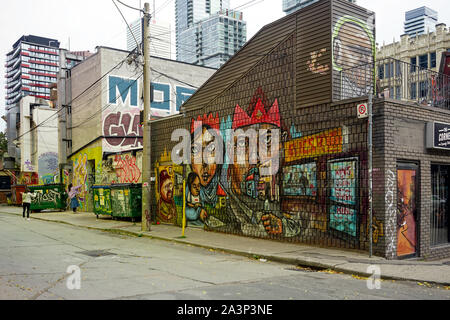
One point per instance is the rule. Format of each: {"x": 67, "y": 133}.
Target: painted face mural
{"x": 353, "y": 55}
{"x": 203, "y": 158}
{"x": 166, "y": 205}
{"x": 255, "y": 197}
{"x": 195, "y": 212}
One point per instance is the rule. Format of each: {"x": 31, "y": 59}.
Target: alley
{"x": 36, "y": 255}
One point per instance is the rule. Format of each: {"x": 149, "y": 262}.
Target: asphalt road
{"x": 35, "y": 257}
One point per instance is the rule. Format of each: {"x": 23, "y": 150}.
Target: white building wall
{"x": 46, "y": 156}
{"x": 160, "y": 38}
{"x": 38, "y": 140}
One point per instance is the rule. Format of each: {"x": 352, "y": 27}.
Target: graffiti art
{"x": 406, "y": 222}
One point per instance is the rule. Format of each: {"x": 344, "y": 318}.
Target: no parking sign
{"x": 363, "y": 111}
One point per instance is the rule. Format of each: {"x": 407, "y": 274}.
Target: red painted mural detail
{"x": 126, "y": 127}
{"x": 126, "y": 169}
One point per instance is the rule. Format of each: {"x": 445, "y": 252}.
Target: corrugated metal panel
{"x": 314, "y": 54}
{"x": 354, "y": 48}
{"x": 262, "y": 43}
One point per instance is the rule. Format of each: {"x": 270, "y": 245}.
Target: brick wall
{"x": 399, "y": 137}
{"x": 238, "y": 201}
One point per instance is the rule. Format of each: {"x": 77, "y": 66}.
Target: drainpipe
{"x": 370, "y": 174}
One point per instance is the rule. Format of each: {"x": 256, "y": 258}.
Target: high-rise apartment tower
{"x": 208, "y": 32}
{"x": 420, "y": 21}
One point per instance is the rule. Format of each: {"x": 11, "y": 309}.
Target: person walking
{"x": 26, "y": 202}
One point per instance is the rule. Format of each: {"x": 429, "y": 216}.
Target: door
{"x": 407, "y": 210}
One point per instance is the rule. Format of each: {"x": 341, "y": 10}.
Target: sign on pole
{"x": 363, "y": 111}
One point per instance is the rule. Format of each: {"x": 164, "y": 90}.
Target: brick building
{"x": 298, "y": 86}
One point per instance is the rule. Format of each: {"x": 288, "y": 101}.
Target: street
{"x": 36, "y": 256}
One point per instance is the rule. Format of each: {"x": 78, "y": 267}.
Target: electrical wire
{"x": 70, "y": 103}
{"x": 241, "y": 7}
{"x": 126, "y": 5}
{"x": 104, "y": 107}
{"x": 129, "y": 28}
{"x": 84, "y": 121}
{"x": 162, "y": 7}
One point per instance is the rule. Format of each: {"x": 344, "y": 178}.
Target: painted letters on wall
{"x": 121, "y": 120}
{"x": 343, "y": 194}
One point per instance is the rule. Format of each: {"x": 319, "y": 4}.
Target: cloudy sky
{"x": 85, "y": 24}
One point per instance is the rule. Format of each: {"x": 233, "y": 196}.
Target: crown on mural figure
{"x": 165, "y": 157}
{"x": 242, "y": 119}
{"x": 211, "y": 121}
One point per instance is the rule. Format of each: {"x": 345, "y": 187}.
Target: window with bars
{"x": 440, "y": 181}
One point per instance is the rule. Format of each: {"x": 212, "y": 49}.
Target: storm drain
{"x": 306, "y": 269}
{"x": 97, "y": 253}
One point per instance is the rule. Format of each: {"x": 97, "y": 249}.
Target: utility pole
{"x": 146, "y": 159}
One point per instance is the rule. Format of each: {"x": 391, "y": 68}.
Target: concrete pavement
{"x": 345, "y": 261}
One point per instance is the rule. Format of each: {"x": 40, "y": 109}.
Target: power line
{"x": 241, "y": 7}
{"x": 175, "y": 79}
{"x": 131, "y": 31}
{"x": 70, "y": 103}
{"x": 126, "y": 5}
{"x": 84, "y": 121}
{"x": 160, "y": 8}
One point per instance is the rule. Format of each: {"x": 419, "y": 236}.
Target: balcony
{"x": 398, "y": 80}
{"x": 407, "y": 82}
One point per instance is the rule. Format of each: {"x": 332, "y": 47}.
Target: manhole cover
{"x": 97, "y": 253}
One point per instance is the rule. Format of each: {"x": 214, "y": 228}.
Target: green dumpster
{"x": 49, "y": 196}
{"x": 102, "y": 200}
{"x": 126, "y": 201}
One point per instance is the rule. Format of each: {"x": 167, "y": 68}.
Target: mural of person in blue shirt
{"x": 195, "y": 213}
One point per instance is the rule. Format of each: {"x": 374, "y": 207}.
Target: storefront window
{"x": 440, "y": 176}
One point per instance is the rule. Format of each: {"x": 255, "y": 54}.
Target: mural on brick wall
{"x": 308, "y": 191}
{"x": 343, "y": 211}
{"x": 169, "y": 193}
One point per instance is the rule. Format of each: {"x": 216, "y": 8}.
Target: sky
{"x": 85, "y": 24}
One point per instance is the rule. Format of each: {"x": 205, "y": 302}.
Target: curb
{"x": 287, "y": 261}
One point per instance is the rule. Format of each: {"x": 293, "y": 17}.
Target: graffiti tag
{"x": 126, "y": 169}
{"x": 126, "y": 127}
{"x": 51, "y": 196}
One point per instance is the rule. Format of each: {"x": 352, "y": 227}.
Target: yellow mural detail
{"x": 169, "y": 190}
{"x": 324, "y": 143}
{"x": 82, "y": 172}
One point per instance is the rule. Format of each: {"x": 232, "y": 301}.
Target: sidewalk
{"x": 346, "y": 261}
